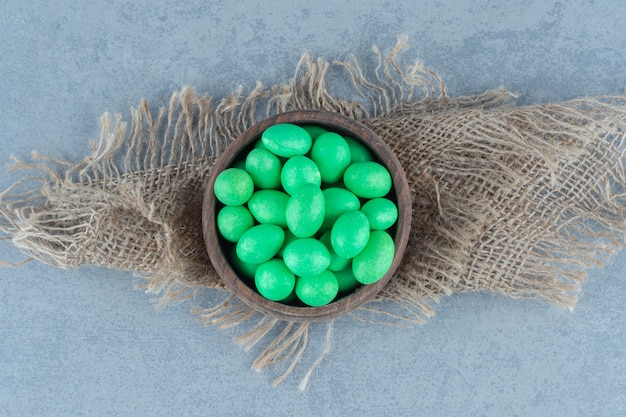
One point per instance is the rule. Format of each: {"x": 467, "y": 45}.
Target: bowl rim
{"x": 335, "y": 122}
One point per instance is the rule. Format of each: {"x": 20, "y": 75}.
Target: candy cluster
{"x": 307, "y": 215}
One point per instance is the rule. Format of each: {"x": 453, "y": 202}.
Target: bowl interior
{"x": 216, "y": 246}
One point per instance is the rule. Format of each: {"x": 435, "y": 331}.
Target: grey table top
{"x": 84, "y": 342}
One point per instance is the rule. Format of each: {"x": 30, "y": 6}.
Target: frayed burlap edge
{"x": 140, "y": 174}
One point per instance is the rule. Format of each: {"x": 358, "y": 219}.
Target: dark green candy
{"x": 336, "y": 262}
{"x": 358, "y": 151}
{"x": 336, "y": 202}
{"x": 346, "y": 280}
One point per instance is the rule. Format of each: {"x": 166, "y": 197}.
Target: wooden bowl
{"x": 343, "y": 304}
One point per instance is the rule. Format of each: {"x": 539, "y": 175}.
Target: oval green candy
{"x": 336, "y": 202}
{"x": 346, "y": 280}
{"x": 260, "y": 243}
{"x": 269, "y": 206}
{"x": 274, "y": 280}
{"x": 317, "y": 290}
{"x": 314, "y": 130}
{"x": 367, "y": 179}
{"x": 305, "y": 211}
{"x": 375, "y": 260}
{"x": 358, "y": 151}
{"x": 299, "y": 171}
{"x": 233, "y": 221}
{"x": 331, "y": 154}
{"x": 286, "y": 140}
{"x": 350, "y": 234}
{"x": 337, "y": 262}
{"x": 306, "y": 257}
{"x": 381, "y": 213}
{"x": 264, "y": 167}
{"x": 233, "y": 187}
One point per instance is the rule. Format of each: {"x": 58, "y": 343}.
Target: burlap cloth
{"x": 510, "y": 200}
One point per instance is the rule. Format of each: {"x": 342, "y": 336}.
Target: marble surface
{"x": 84, "y": 342}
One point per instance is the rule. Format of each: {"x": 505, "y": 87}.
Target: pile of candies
{"x": 307, "y": 216}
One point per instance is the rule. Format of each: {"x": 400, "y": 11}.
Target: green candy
{"x": 367, "y": 179}
{"x": 337, "y": 262}
{"x": 375, "y": 260}
{"x": 233, "y": 221}
{"x": 243, "y": 269}
{"x": 358, "y": 151}
{"x": 331, "y": 154}
{"x": 299, "y": 171}
{"x": 286, "y": 140}
{"x": 260, "y": 243}
{"x": 233, "y": 187}
{"x": 381, "y": 213}
{"x": 289, "y": 237}
{"x": 338, "y": 201}
{"x": 346, "y": 280}
{"x": 318, "y": 290}
{"x": 264, "y": 167}
{"x": 350, "y": 234}
{"x": 274, "y": 280}
{"x": 306, "y": 257}
{"x": 305, "y": 211}
{"x": 314, "y": 130}
{"x": 269, "y": 206}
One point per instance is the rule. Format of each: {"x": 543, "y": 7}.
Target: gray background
{"x": 84, "y": 342}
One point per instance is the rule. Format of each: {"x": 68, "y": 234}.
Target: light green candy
{"x": 346, "y": 280}
{"x": 331, "y": 154}
{"x": 375, "y": 260}
{"x": 337, "y": 262}
{"x": 305, "y": 211}
{"x": 358, "y": 151}
{"x": 350, "y": 234}
{"x": 260, "y": 243}
{"x": 338, "y": 201}
{"x": 274, "y": 280}
{"x": 381, "y": 213}
{"x": 233, "y": 221}
{"x": 299, "y": 171}
{"x": 317, "y": 291}
{"x": 264, "y": 167}
{"x": 269, "y": 206}
{"x": 233, "y": 187}
{"x": 286, "y": 140}
{"x": 306, "y": 257}
{"x": 367, "y": 179}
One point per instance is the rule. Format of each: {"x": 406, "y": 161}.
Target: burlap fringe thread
{"x": 512, "y": 200}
